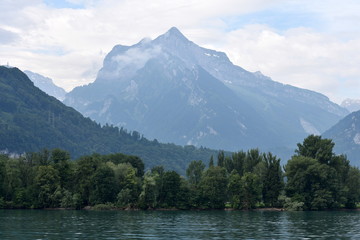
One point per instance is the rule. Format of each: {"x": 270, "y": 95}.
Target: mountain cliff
{"x": 171, "y": 89}
{"x": 46, "y": 84}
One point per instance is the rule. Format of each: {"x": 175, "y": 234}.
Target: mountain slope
{"x": 346, "y": 136}
{"x": 171, "y": 89}
{"x": 46, "y": 85}
{"x": 31, "y": 120}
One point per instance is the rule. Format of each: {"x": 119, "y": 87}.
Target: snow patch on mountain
{"x": 308, "y": 127}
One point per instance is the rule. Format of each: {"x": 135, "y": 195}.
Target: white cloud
{"x": 69, "y": 45}
{"x": 300, "y": 57}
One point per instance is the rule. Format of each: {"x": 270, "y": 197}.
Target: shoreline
{"x": 92, "y": 208}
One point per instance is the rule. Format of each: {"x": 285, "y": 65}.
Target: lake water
{"x": 68, "y": 224}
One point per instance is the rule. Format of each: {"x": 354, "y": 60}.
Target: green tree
{"x": 272, "y": 181}
{"x": 84, "y": 170}
{"x": 352, "y": 184}
{"x": 234, "y": 189}
{"x": 170, "y": 189}
{"x": 238, "y": 159}
{"x": 317, "y": 148}
{"x": 253, "y": 158}
{"x": 250, "y": 193}
{"x": 211, "y": 162}
{"x": 213, "y": 188}
{"x": 221, "y": 159}
{"x": 150, "y": 192}
{"x": 312, "y": 183}
{"x": 194, "y": 172}
{"x": 61, "y": 162}
{"x": 47, "y": 180}
{"x": 103, "y": 182}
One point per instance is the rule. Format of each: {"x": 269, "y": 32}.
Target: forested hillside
{"x": 31, "y": 120}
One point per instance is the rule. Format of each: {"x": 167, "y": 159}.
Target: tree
{"x": 194, "y": 172}
{"x": 170, "y": 189}
{"x": 272, "y": 181}
{"x": 61, "y": 162}
{"x": 221, "y": 159}
{"x": 103, "y": 182}
{"x": 317, "y": 148}
{"x": 234, "y": 189}
{"x": 238, "y": 160}
{"x": 213, "y": 188}
{"x": 211, "y": 162}
{"x": 253, "y": 158}
{"x": 85, "y": 168}
{"x": 250, "y": 192}
{"x": 312, "y": 183}
{"x": 352, "y": 184}
{"x": 47, "y": 180}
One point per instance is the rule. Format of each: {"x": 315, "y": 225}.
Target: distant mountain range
{"x": 352, "y": 105}
{"x": 31, "y": 120}
{"x": 46, "y": 84}
{"x": 346, "y": 136}
{"x": 173, "y": 90}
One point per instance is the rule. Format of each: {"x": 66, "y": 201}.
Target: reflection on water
{"x": 58, "y": 224}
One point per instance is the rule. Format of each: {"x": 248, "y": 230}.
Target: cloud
{"x": 300, "y": 57}
{"x": 127, "y": 63}
{"x": 7, "y": 37}
{"x": 69, "y": 44}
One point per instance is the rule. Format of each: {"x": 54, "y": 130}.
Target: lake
{"x": 72, "y": 224}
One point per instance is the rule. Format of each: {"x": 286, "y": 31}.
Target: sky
{"x": 312, "y": 44}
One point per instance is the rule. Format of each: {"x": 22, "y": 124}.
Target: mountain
{"x": 346, "y": 136}
{"x": 31, "y": 120}
{"x": 46, "y": 84}
{"x": 173, "y": 90}
{"x": 352, "y": 105}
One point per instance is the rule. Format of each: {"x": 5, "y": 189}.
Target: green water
{"x": 60, "y": 224}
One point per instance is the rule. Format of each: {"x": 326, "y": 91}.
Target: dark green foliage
{"x": 250, "y": 191}
{"x": 102, "y": 185}
{"x": 213, "y": 187}
{"x": 272, "y": 180}
{"x": 48, "y": 179}
{"x": 170, "y": 190}
{"x": 194, "y": 172}
{"x": 320, "y": 179}
{"x": 317, "y": 148}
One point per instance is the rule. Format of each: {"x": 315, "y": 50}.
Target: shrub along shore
{"x": 313, "y": 179}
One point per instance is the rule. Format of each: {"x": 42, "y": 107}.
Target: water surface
{"x": 68, "y": 224}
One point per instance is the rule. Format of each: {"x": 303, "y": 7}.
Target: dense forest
{"x": 313, "y": 179}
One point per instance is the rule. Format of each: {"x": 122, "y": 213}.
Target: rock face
{"x": 352, "y": 105}
{"x": 46, "y": 84}
{"x": 173, "y": 90}
{"x": 346, "y": 136}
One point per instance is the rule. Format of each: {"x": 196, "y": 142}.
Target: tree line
{"x": 313, "y": 179}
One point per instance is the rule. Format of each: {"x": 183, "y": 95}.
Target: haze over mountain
{"x": 31, "y": 120}
{"x": 173, "y": 90}
{"x": 346, "y": 136}
{"x": 46, "y": 84}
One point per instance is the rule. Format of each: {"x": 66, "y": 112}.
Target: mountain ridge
{"x": 268, "y": 114}
{"x": 46, "y": 84}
